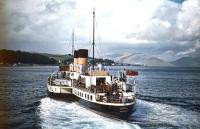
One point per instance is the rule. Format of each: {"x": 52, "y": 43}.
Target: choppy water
{"x": 166, "y": 98}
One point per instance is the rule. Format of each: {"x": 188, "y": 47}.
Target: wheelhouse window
{"x": 100, "y": 81}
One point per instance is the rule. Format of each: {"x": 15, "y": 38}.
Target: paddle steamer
{"x": 94, "y": 86}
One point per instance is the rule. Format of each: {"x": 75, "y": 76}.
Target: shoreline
{"x": 57, "y": 65}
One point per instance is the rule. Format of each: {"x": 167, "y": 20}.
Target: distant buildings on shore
{"x": 125, "y": 64}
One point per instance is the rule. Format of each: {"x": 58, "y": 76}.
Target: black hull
{"x": 121, "y": 112}
{"x": 62, "y": 96}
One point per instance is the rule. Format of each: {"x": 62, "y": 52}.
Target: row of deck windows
{"x": 80, "y": 94}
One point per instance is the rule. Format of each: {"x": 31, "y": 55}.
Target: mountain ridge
{"x": 139, "y": 59}
{"x": 187, "y": 62}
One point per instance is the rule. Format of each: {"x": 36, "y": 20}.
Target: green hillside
{"x": 21, "y": 57}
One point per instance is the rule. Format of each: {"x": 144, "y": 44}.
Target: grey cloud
{"x": 174, "y": 22}
{"x": 37, "y": 31}
{"x": 168, "y": 12}
{"x": 178, "y": 1}
{"x": 18, "y": 21}
{"x": 193, "y": 49}
{"x": 36, "y": 27}
{"x": 3, "y": 32}
{"x": 167, "y": 51}
{"x": 52, "y": 6}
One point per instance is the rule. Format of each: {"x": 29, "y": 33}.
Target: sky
{"x": 168, "y": 29}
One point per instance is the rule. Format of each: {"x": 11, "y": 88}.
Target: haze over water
{"x": 166, "y": 98}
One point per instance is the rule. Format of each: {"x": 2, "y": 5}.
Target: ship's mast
{"x": 93, "y": 43}
{"x": 73, "y": 46}
{"x": 73, "y": 42}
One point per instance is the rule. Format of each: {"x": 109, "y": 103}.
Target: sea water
{"x": 167, "y": 97}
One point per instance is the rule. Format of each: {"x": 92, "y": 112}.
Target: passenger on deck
{"x": 124, "y": 75}
{"x": 64, "y": 74}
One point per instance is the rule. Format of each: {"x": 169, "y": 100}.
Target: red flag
{"x": 131, "y": 73}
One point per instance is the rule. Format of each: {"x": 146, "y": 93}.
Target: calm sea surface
{"x": 166, "y": 98}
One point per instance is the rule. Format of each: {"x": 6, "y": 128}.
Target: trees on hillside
{"x": 10, "y": 57}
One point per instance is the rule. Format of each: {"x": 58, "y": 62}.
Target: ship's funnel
{"x": 75, "y": 67}
{"x": 75, "y": 57}
{"x": 83, "y": 60}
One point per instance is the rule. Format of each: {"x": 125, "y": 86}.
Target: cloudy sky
{"x": 168, "y": 29}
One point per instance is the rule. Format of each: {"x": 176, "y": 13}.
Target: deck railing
{"x": 108, "y": 97}
{"x": 115, "y": 99}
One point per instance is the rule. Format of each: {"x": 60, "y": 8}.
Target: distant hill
{"x": 57, "y": 56}
{"x": 68, "y": 59}
{"x": 21, "y": 57}
{"x": 187, "y": 62}
{"x": 139, "y": 59}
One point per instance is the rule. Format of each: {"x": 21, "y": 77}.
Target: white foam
{"x": 152, "y": 112}
{"x": 60, "y": 114}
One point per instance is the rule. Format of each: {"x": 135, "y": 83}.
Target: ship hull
{"x": 60, "y": 92}
{"x": 59, "y": 89}
{"x": 122, "y": 112}
{"x": 60, "y": 95}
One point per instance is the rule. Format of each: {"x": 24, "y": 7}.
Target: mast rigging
{"x": 93, "y": 43}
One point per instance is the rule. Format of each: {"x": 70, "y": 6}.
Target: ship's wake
{"x": 70, "y": 115}
{"x": 163, "y": 115}
{"x": 62, "y": 114}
